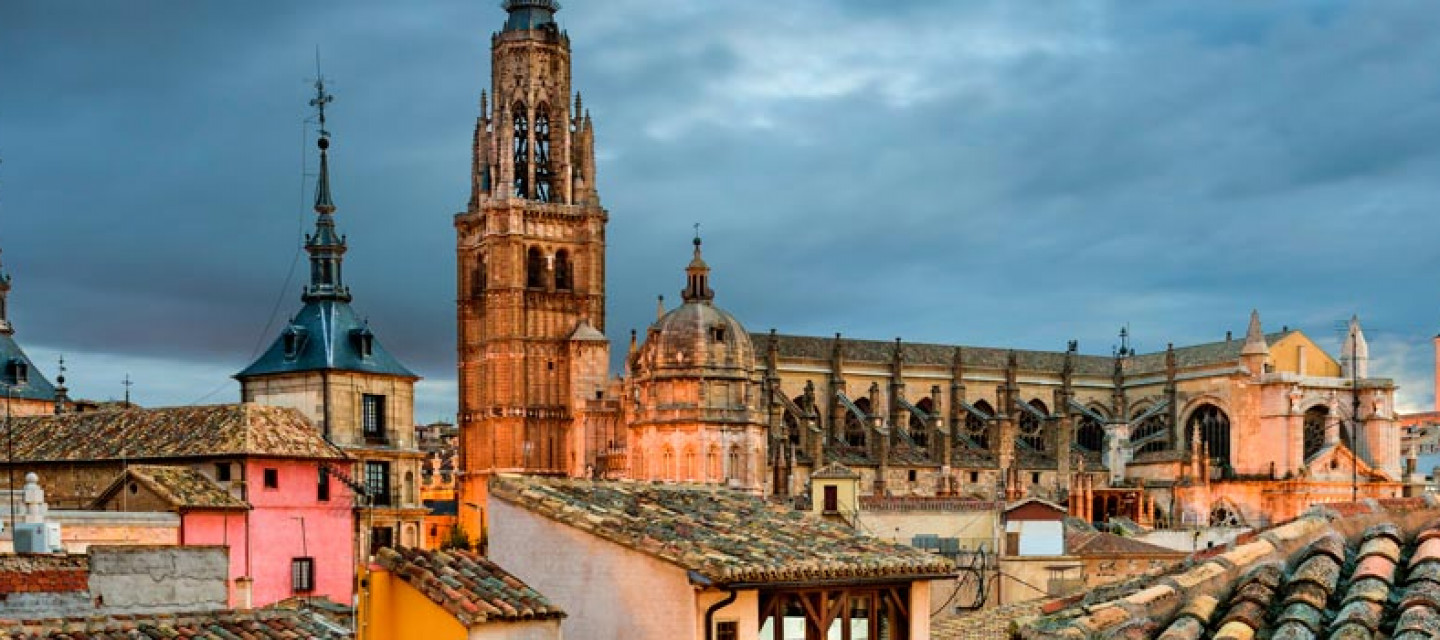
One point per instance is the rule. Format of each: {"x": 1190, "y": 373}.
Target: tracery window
{"x": 1314, "y": 436}
{"x": 920, "y": 428}
{"x": 1032, "y": 429}
{"x": 522, "y": 152}
{"x": 855, "y": 425}
{"x": 1154, "y": 431}
{"x": 978, "y": 428}
{"x": 544, "y": 177}
{"x": 1214, "y": 428}
{"x": 1090, "y": 434}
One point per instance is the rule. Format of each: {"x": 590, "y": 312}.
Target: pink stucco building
{"x": 255, "y": 479}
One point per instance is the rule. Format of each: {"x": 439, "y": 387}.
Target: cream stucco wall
{"x": 608, "y": 591}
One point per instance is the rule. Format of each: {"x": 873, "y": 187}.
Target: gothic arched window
{"x": 543, "y": 174}
{"x": 1314, "y": 437}
{"x": 563, "y": 279}
{"x": 1214, "y": 428}
{"x": 1090, "y": 433}
{"x": 920, "y": 428}
{"x": 1153, "y": 431}
{"x": 522, "y": 152}
{"x": 535, "y": 269}
{"x": 855, "y": 425}
{"x": 1032, "y": 428}
{"x": 977, "y": 427}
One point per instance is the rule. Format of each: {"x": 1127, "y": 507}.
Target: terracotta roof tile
{"x": 182, "y": 487}
{"x": 724, "y": 536}
{"x": 171, "y": 432}
{"x": 468, "y": 585}
{"x": 262, "y": 624}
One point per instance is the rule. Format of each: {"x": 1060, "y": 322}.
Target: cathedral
{"x": 1246, "y": 430}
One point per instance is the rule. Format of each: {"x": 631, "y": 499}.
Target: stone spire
{"x": 326, "y": 246}
{"x": 697, "y": 277}
{"x": 5, "y": 327}
{"x": 1355, "y": 352}
{"x": 1255, "y": 338}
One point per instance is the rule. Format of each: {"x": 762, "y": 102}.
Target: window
{"x": 717, "y": 334}
{"x": 222, "y": 472}
{"x": 294, "y": 339}
{"x": 302, "y": 575}
{"x": 974, "y": 477}
{"x": 272, "y": 478}
{"x": 373, "y": 416}
{"x": 543, "y": 176}
{"x": 832, "y": 498}
{"x": 364, "y": 341}
{"x": 19, "y": 373}
{"x": 912, "y": 475}
{"x": 534, "y": 269}
{"x": 563, "y": 279}
{"x": 377, "y": 482}
{"x": 1034, "y": 478}
{"x": 727, "y": 630}
{"x": 322, "y": 489}
{"x": 380, "y": 538}
{"x": 522, "y": 151}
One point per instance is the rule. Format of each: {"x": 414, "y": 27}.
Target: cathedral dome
{"x": 698, "y": 335}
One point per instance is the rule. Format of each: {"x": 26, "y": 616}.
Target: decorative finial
{"x": 697, "y": 234}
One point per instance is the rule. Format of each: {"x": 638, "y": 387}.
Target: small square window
{"x": 727, "y": 630}
{"x": 717, "y": 334}
{"x": 974, "y": 477}
{"x": 222, "y": 472}
{"x": 302, "y": 575}
{"x": 912, "y": 475}
{"x": 272, "y": 478}
{"x": 1034, "y": 478}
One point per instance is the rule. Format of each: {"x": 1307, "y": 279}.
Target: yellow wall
{"x": 1285, "y": 357}
{"x": 848, "y": 494}
{"x": 397, "y": 611}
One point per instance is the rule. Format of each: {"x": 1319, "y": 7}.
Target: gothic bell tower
{"x": 530, "y": 252}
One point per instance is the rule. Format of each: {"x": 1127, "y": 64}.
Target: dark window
{"x": 322, "y": 490}
{"x": 717, "y": 334}
{"x": 534, "y": 269}
{"x": 377, "y": 482}
{"x": 222, "y": 472}
{"x": 1091, "y": 434}
{"x": 727, "y": 630}
{"x": 477, "y": 286}
{"x": 272, "y": 478}
{"x": 373, "y": 416}
{"x": 522, "y": 152}
{"x": 294, "y": 339}
{"x": 912, "y": 475}
{"x": 302, "y": 575}
{"x": 563, "y": 274}
{"x": 364, "y": 342}
{"x": 19, "y": 373}
{"x": 1314, "y": 435}
{"x": 1034, "y": 478}
{"x": 381, "y": 537}
{"x": 543, "y": 174}
{"x": 832, "y": 498}
{"x": 974, "y": 477}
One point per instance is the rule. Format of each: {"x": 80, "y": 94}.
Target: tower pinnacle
{"x": 326, "y": 247}
{"x": 697, "y": 287}
{"x": 530, "y": 14}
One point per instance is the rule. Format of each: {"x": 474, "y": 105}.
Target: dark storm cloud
{"x": 988, "y": 173}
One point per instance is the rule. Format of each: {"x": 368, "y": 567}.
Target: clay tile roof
{"x": 835, "y": 471}
{"x": 1100, "y": 543}
{"x": 171, "y": 432}
{"x": 260, "y": 624}
{"x": 182, "y": 487}
{"x": 469, "y": 586}
{"x": 1323, "y": 575}
{"x": 723, "y": 536}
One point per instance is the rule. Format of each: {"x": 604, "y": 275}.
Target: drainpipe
{"x": 710, "y": 613}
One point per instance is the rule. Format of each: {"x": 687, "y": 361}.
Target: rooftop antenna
{"x": 321, "y": 98}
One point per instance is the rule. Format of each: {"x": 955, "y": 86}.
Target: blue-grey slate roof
{"x": 330, "y": 331}
{"x": 36, "y": 386}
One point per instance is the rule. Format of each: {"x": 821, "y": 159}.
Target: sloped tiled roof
{"x": 1350, "y": 571}
{"x": 263, "y": 624}
{"x": 36, "y": 386}
{"x": 1100, "y": 543}
{"x": 184, "y": 488}
{"x": 915, "y": 353}
{"x": 724, "y": 536}
{"x": 467, "y": 585}
{"x": 172, "y": 432}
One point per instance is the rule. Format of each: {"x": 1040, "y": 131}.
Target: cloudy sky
{"x": 999, "y": 173}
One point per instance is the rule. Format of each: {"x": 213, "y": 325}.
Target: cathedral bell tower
{"x": 531, "y": 258}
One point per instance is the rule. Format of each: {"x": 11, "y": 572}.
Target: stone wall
{"x": 114, "y": 580}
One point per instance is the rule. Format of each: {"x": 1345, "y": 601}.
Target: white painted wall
{"x": 1038, "y": 537}
{"x": 522, "y": 630}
